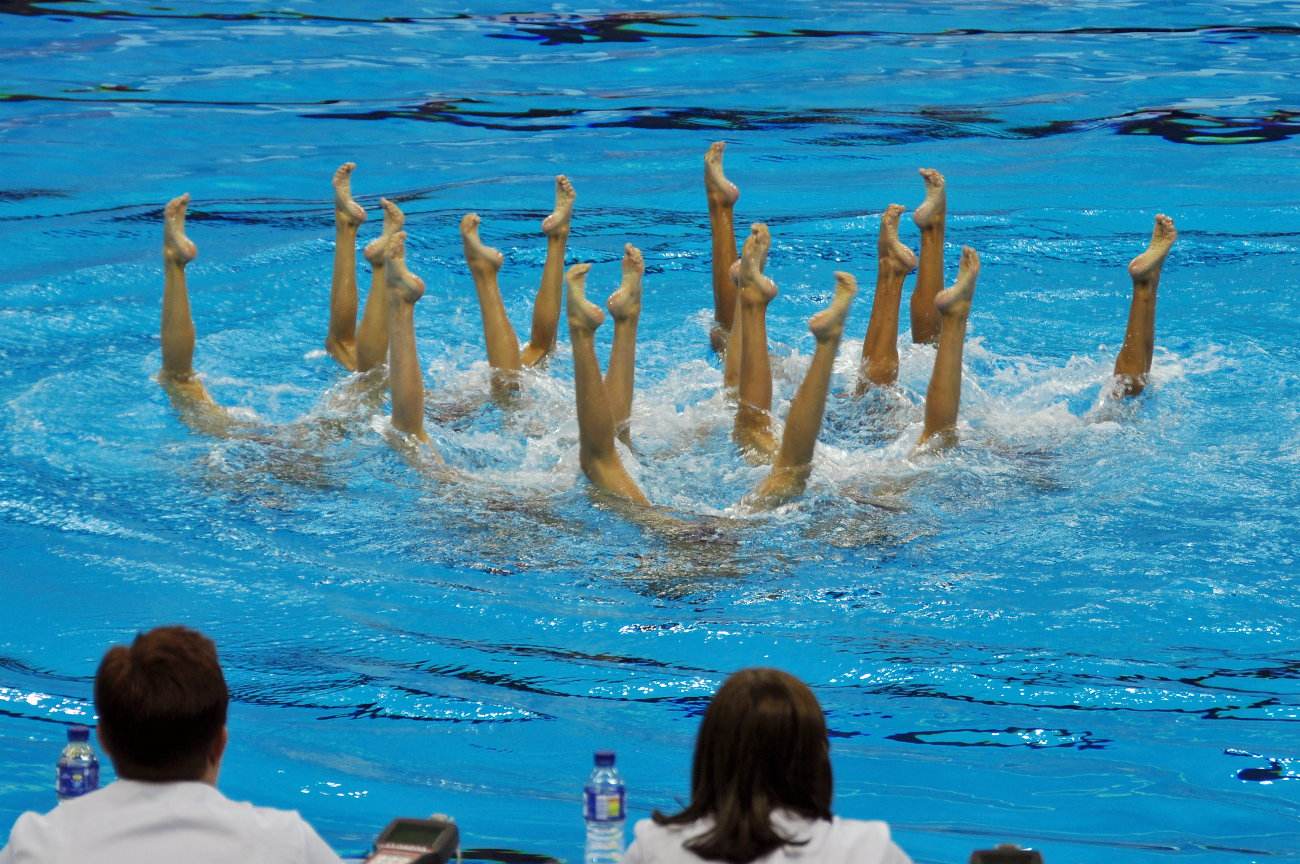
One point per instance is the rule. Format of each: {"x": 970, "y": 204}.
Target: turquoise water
{"x": 1078, "y": 630}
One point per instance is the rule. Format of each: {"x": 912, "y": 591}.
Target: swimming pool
{"x": 1078, "y": 630}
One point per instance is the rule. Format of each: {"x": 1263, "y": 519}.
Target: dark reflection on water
{"x": 874, "y": 126}
{"x": 13, "y": 664}
{"x": 507, "y": 856}
{"x": 1011, "y": 736}
{"x": 1277, "y": 769}
{"x": 140, "y": 100}
{"x": 1240, "y": 711}
{"x": 306, "y": 679}
{"x": 552, "y": 28}
{"x": 556, "y": 29}
{"x": 1182, "y": 127}
{"x": 77, "y": 9}
{"x": 925, "y": 123}
{"x": 29, "y": 194}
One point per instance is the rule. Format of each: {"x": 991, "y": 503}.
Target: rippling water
{"x": 1078, "y": 630}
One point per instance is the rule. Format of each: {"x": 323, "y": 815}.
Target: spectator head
{"x": 162, "y": 706}
{"x": 762, "y": 746}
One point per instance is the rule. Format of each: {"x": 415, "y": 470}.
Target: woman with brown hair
{"x": 761, "y": 786}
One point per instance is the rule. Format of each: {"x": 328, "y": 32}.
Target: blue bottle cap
{"x": 78, "y": 733}
{"x": 604, "y": 758}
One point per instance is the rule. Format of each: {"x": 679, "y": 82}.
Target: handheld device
{"x": 417, "y": 841}
{"x": 1006, "y": 853}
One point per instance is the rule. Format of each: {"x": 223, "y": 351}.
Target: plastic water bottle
{"x": 78, "y": 769}
{"x": 605, "y": 797}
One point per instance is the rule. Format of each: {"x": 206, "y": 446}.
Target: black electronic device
{"x": 435, "y": 840}
{"x": 1006, "y": 854}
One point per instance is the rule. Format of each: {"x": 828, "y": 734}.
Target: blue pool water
{"x": 1078, "y": 630}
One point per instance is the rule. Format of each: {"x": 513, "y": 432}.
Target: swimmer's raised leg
{"x": 372, "y": 335}
{"x": 177, "y": 323}
{"x": 502, "y": 343}
{"x": 597, "y": 453}
{"x": 753, "y": 426}
{"x": 187, "y": 393}
{"x": 1134, "y": 360}
{"x": 546, "y": 308}
{"x": 404, "y": 290}
{"x": 625, "y": 307}
{"x": 930, "y": 218}
{"x": 341, "y": 342}
{"x": 943, "y": 396}
{"x": 793, "y": 461}
{"x": 893, "y": 262}
{"x": 722, "y": 195}
{"x": 735, "y": 338}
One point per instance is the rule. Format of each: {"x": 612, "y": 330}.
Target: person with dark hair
{"x": 761, "y": 786}
{"x": 162, "y": 721}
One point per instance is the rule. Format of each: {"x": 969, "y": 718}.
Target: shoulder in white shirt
{"x": 839, "y": 841}
{"x": 129, "y": 822}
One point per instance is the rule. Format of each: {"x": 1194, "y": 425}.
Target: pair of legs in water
{"x": 356, "y": 348}
{"x": 600, "y": 401}
{"x": 505, "y": 355}
{"x": 360, "y": 348}
{"x": 387, "y": 326}
{"x": 393, "y": 292}
{"x": 879, "y": 366}
{"x": 367, "y": 345}
{"x": 936, "y": 315}
{"x": 791, "y": 460}
{"x": 880, "y": 348}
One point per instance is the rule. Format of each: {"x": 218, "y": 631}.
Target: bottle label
{"x": 604, "y": 806}
{"x": 75, "y": 780}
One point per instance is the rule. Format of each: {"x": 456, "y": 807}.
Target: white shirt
{"x": 129, "y": 822}
{"x": 840, "y": 841}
